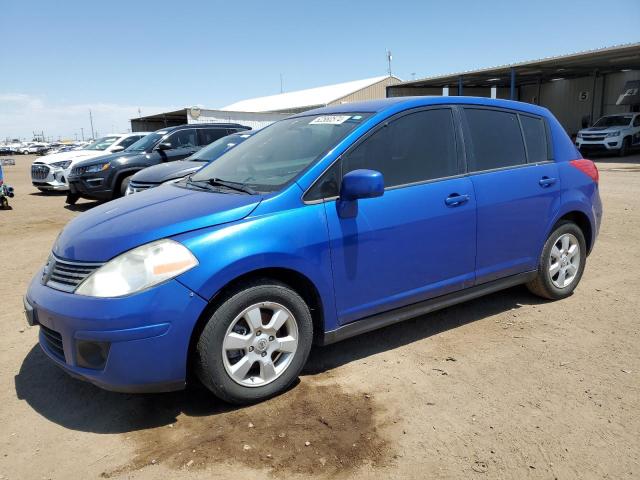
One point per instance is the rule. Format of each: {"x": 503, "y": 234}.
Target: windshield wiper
{"x": 238, "y": 186}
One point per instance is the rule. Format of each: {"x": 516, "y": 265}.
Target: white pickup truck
{"x": 617, "y": 133}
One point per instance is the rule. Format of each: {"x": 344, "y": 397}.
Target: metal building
{"x": 255, "y": 120}
{"x": 578, "y": 88}
{"x": 302, "y": 100}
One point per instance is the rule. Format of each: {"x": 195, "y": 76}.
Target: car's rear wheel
{"x": 561, "y": 263}
{"x": 255, "y": 343}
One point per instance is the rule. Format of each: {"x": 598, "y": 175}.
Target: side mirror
{"x": 116, "y": 149}
{"x": 164, "y": 146}
{"x": 358, "y": 184}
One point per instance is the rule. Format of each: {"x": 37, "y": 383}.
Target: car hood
{"x": 601, "y": 129}
{"x": 167, "y": 171}
{"x": 115, "y": 227}
{"x": 118, "y": 157}
{"x": 74, "y": 155}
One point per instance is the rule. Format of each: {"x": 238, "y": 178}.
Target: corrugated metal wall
{"x": 372, "y": 92}
{"x": 250, "y": 119}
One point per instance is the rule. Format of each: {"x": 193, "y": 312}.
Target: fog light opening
{"x": 92, "y": 355}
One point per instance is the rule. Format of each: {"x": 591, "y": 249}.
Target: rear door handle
{"x": 547, "y": 182}
{"x": 455, "y": 200}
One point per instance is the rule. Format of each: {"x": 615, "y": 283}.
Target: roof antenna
{"x": 389, "y": 58}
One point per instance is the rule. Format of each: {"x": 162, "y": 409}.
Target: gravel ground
{"x": 507, "y": 386}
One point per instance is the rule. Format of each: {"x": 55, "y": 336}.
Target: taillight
{"x": 587, "y": 167}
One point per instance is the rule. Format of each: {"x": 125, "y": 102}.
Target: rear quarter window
{"x": 496, "y": 139}
{"x": 535, "y": 137}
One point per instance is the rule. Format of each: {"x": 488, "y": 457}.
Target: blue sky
{"x": 61, "y": 58}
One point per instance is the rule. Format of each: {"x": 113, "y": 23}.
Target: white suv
{"x": 51, "y": 171}
{"x": 611, "y": 133}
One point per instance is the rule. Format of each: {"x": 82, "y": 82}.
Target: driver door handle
{"x": 455, "y": 200}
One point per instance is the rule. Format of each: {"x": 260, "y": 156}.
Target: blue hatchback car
{"x": 325, "y": 225}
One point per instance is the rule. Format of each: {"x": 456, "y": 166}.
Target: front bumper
{"x": 55, "y": 179}
{"x": 145, "y": 335}
{"x": 94, "y": 186}
{"x": 605, "y": 145}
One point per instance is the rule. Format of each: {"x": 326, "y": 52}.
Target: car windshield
{"x": 147, "y": 142}
{"x": 101, "y": 144}
{"x": 272, "y": 157}
{"x": 217, "y": 148}
{"x": 614, "y": 121}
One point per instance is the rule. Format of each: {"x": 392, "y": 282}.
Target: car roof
{"x": 404, "y": 103}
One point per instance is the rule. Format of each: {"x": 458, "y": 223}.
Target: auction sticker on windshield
{"x": 330, "y": 120}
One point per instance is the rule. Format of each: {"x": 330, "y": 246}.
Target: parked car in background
{"x": 108, "y": 177}
{"x": 319, "y": 227}
{"x": 51, "y": 172}
{"x": 173, "y": 171}
{"x": 33, "y": 148}
{"x": 617, "y": 133}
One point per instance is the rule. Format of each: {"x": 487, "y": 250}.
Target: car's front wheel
{"x": 624, "y": 149}
{"x": 255, "y": 343}
{"x": 561, "y": 263}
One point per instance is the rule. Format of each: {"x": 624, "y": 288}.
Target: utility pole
{"x": 82, "y": 133}
{"x": 281, "y": 84}
{"x": 389, "y": 58}
{"x": 91, "y": 121}
{"x": 139, "y": 113}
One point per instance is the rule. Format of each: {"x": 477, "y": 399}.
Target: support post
{"x": 512, "y": 95}
{"x": 593, "y": 96}
{"x": 460, "y": 85}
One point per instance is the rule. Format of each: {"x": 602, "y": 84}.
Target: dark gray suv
{"x": 107, "y": 177}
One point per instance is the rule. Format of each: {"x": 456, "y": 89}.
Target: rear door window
{"x": 535, "y": 138}
{"x": 183, "y": 138}
{"x": 414, "y": 148}
{"x": 127, "y": 142}
{"x": 210, "y": 135}
{"x": 496, "y": 140}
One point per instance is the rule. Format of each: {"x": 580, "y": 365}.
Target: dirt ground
{"x": 507, "y": 386}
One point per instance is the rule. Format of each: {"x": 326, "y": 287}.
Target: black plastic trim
{"x": 384, "y": 319}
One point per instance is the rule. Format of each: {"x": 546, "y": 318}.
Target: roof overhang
{"x": 604, "y": 60}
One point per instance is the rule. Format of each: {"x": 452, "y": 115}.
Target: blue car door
{"x": 417, "y": 240}
{"x": 517, "y": 188}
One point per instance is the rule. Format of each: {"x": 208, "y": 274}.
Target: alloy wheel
{"x": 260, "y": 344}
{"x": 564, "y": 260}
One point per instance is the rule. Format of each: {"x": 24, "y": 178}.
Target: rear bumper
{"x": 145, "y": 336}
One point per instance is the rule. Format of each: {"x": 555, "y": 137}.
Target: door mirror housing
{"x": 358, "y": 184}
{"x": 116, "y": 149}
{"x": 164, "y": 146}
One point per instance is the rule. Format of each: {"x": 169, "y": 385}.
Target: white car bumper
{"x": 602, "y": 144}
{"x": 47, "y": 177}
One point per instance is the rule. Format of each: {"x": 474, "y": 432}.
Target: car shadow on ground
{"x": 631, "y": 159}
{"x": 81, "y": 406}
{"x": 51, "y": 193}
{"x": 82, "y": 207}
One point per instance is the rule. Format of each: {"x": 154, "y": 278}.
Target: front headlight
{"x": 138, "y": 269}
{"x": 614, "y": 134}
{"x": 97, "y": 168}
{"x": 64, "y": 164}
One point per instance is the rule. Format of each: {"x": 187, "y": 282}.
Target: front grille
{"x": 39, "y": 171}
{"x": 593, "y": 138}
{"x": 66, "y": 275}
{"x": 53, "y": 341}
{"x": 140, "y": 186}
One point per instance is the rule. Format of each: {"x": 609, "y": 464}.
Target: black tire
{"x": 209, "y": 364}
{"x": 72, "y": 198}
{"x": 624, "y": 149}
{"x": 543, "y": 285}
{"x": 4, "y": 203}
{"x": 123, "y": 186}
